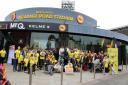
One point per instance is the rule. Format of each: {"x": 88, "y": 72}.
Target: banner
{"x": 11, "y": 54}
{"x": 102, "y": 41}
{"x": 69, "y": 68}
{"x": 113, "y": 56}
{"x": 37, "y": 26}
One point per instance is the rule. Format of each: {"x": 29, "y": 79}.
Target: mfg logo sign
{"x": 17, "y": 25}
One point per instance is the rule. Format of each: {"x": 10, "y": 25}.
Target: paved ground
{"x": 41, "y": 78}
{"x": 121, "y": 79}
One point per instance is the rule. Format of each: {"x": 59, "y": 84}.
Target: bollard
{"x": 30, "y": 76}
{"x": 81, "y": 73}
{"x": 126, "y": 62}
{"x": 94, "y": 71}
{"x": 122, "y": 65}
{"x": 61, "y": 74}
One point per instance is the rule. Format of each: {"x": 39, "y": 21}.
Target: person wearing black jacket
{"x": 66, "y": 56}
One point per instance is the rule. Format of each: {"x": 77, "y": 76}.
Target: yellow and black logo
{"x": 80, "y": 19}
{"x": 13, "y": 16}
{"x": 62, "y": 28}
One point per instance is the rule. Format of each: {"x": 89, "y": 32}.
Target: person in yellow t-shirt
{"x": 76, "y": 54}
{"x": 32, "y": 60}
{"x": 17, "y": 54}
{"x": 32, "y": 63}
{"x": 36, "y": 55}
{"x": 2, "y": 56}
{"x": 112, "y": 63}
{"x": 71, "y": 54}
{"x": 41, "y": 59}
{"x": 52, "y": 59}
{"x": 26, "y": 60}
{"x": 20, "y": 60}
{"x": 29, "y": 53}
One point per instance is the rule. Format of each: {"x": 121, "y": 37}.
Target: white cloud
{"x": 108, "y": 13}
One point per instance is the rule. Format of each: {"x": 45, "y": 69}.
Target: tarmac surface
{"x": 42, "y": 78}
{"x": 121, "y": 79}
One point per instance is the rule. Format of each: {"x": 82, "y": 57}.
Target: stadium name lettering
{"x": 17, "y": 25}
{"x": 45, "y": 16}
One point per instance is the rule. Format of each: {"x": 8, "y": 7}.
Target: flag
{"x": 102, "y": 42}
{"x": 112, "y": 43}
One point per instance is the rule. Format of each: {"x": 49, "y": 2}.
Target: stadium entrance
{"x": 41, "y": 35}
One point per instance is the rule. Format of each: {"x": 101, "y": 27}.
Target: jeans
{"x": 50, "y": 69}
{"x": 15, "y": 61}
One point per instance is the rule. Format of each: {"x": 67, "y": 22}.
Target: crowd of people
{"x": 50, "y": 60}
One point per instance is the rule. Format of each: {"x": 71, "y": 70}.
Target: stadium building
{"x": 53, "y": 27}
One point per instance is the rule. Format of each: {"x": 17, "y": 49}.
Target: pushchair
{"x": 98, "y": 66}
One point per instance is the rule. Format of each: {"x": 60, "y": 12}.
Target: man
{"x": 61, "y": 54}
{"x": 17, "y": 52}
{"x": 26, "y": 61}
{"x": 41, "y": 59}
{"x": 49, "y": 66}
{"x": 15, "y": 60}
{"x": 20, "y": 60}
{"x": 2, "y": 56}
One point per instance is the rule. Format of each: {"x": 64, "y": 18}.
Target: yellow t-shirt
{"x": 42, "y": 55}
{"x": 106, "y": 63}
{"x": 37, "y": 54}
{"x": 71, "y": 55}
{"x": 76, "y": 54}
{"x": 36, "y": 58}
{"x": 32, "y": 61}
{"x": 29, "y": 54}
{"x": 26, "y": 62}
{"x": 20, "y": 58}
{"x": 3, "y": 53}
{"x": 17, "y": 52}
